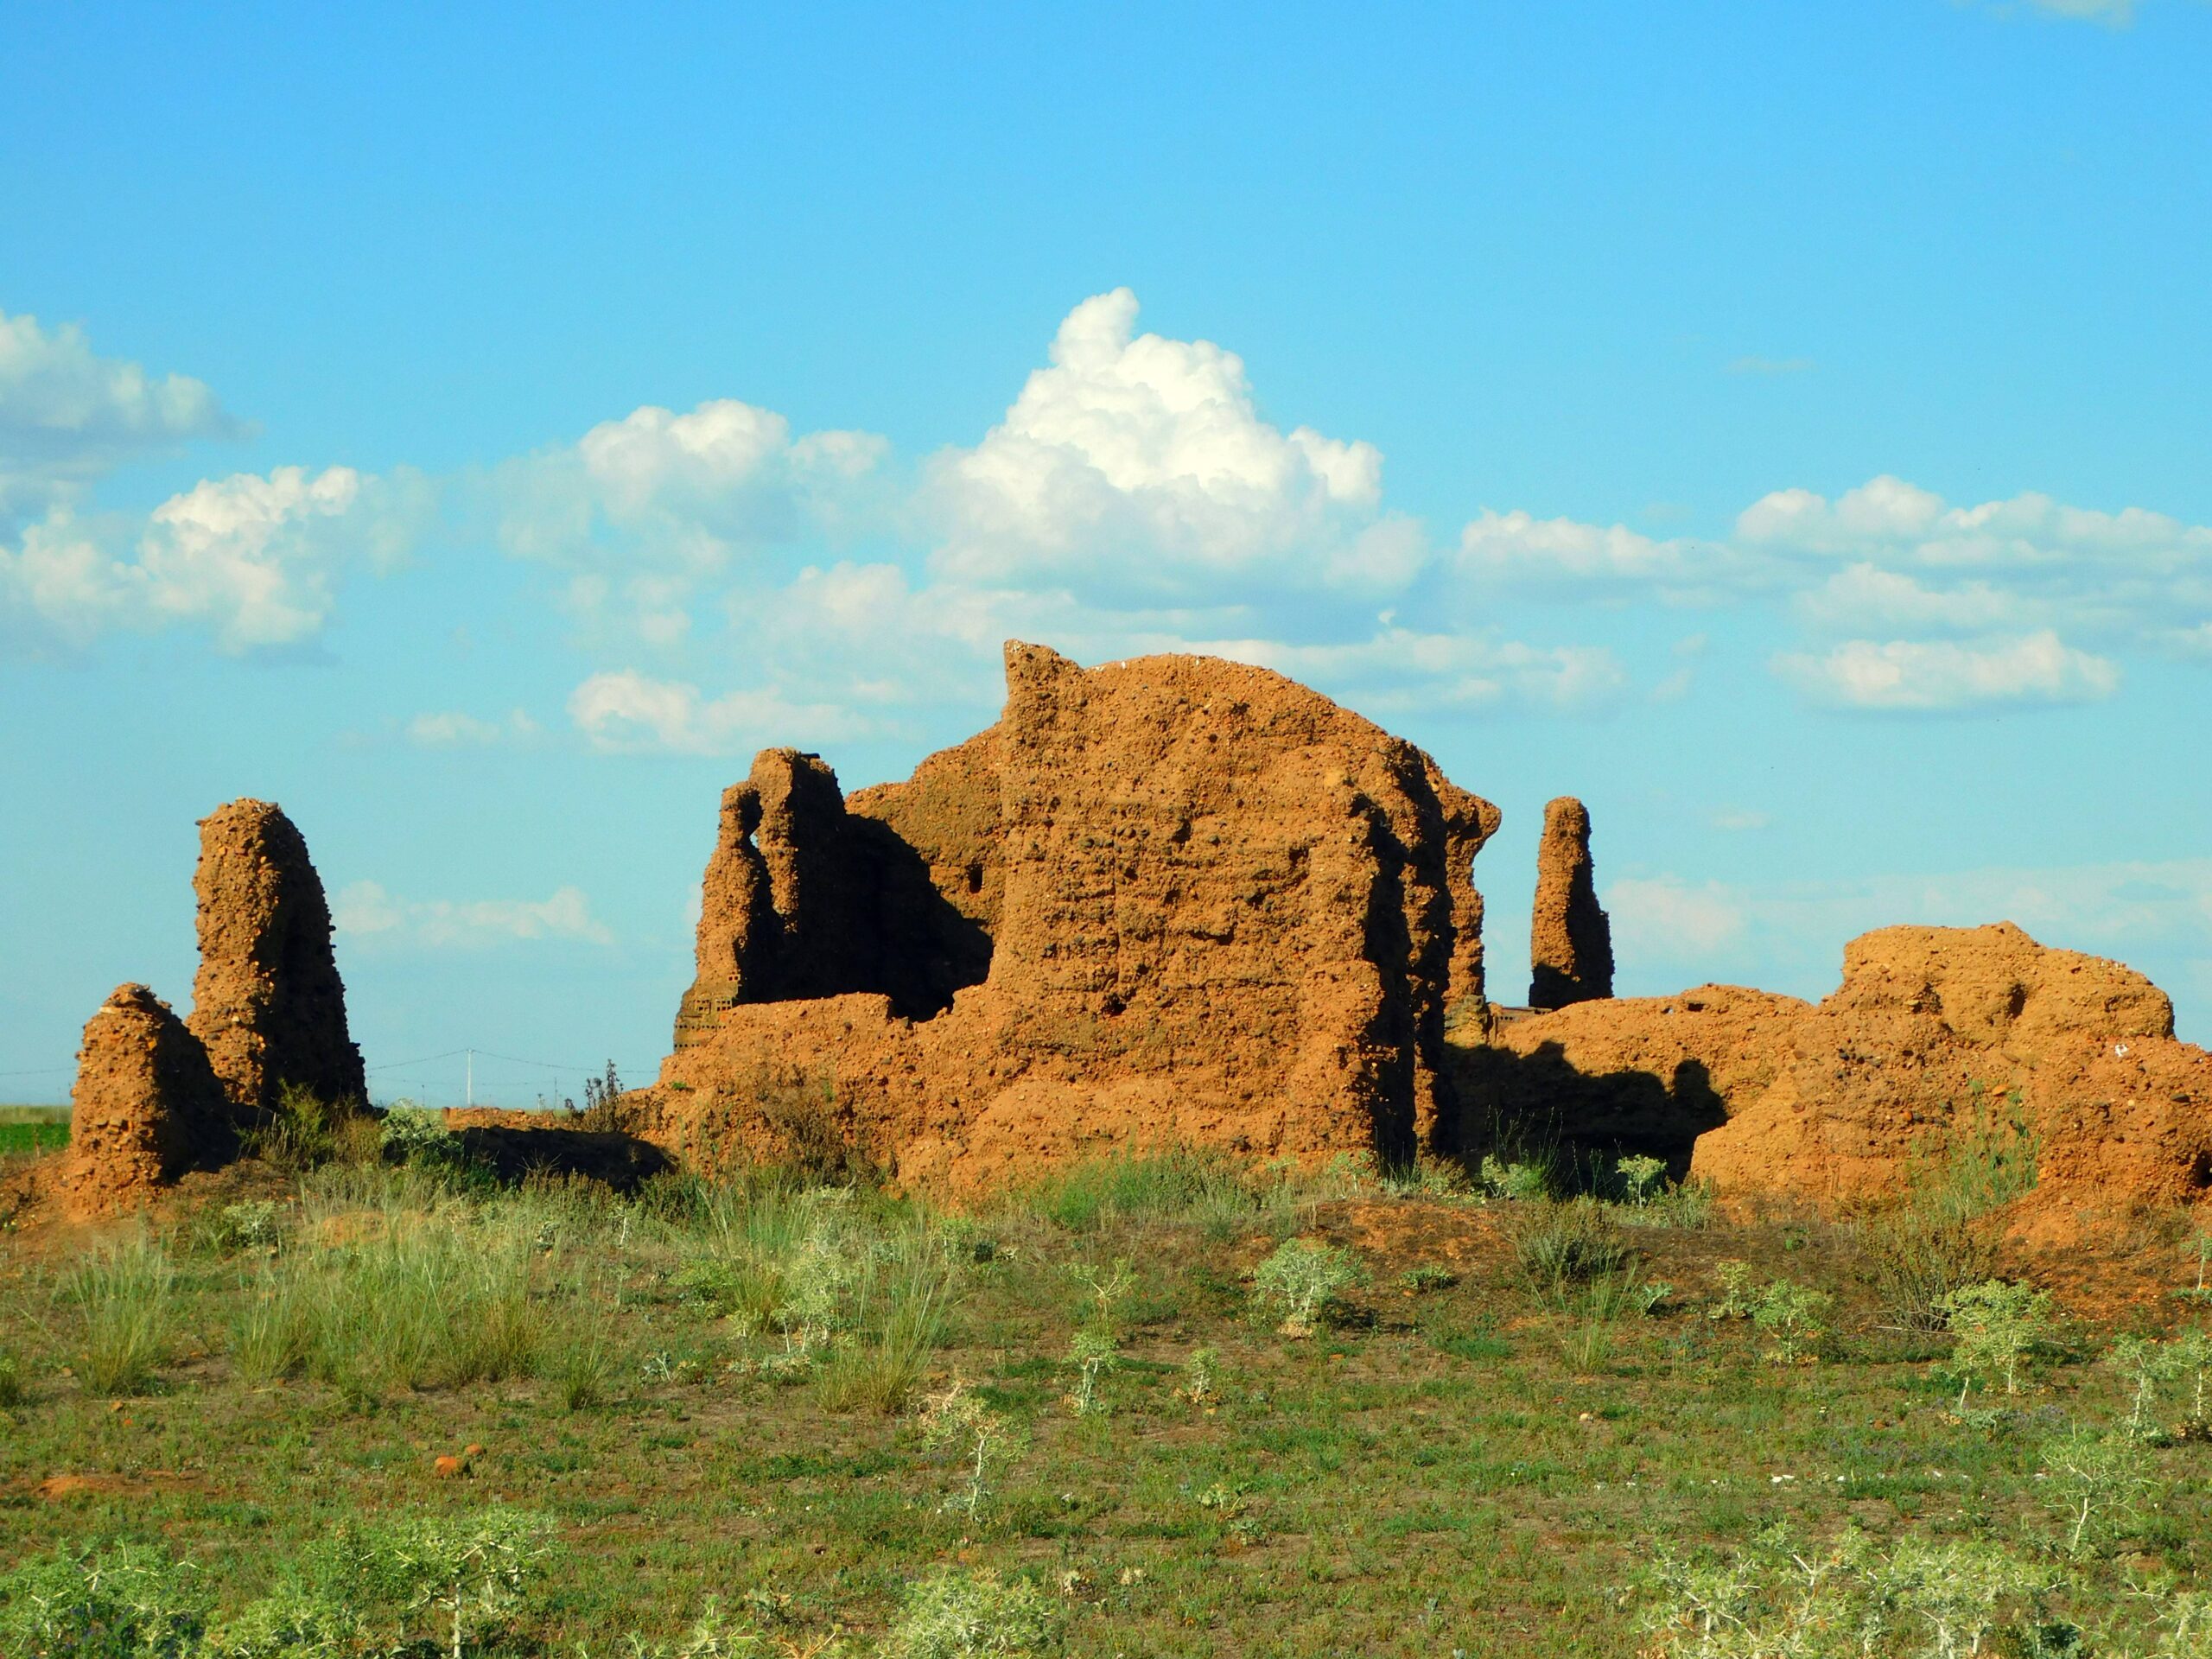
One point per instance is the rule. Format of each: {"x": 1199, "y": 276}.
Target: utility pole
{"x": 472, "y": 1077}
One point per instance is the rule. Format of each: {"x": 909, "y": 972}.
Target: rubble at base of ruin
{"x": 1173, "y": 898}
{"x": 156, "y": 1095}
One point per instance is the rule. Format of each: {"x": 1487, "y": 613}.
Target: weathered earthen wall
{"x": 1571, "y": 942}
{"x": 267, "y": 1002}
{"x": 1929, "y": 1028}
{"x": 145, "y": 1107}
{"x": 1212, "y": 905}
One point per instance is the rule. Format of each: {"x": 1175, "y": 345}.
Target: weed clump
{"x": 1561, "y": 1247}
{"x": 977, "y": 1615}
{"x": 124, "y": 1296}
{"x": 1302, "y": 1279}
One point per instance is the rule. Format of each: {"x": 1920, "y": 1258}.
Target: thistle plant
{"x": 1998, "y": 1326}
{"x": 1201, "y": 1379}
{"x": 1640, "y": 1178}
{"x": 2192, "y": 1357}
{"x": 1737, "y": 1297}
{"x": 463, "y": 1569}
{"x": 1789, "y": 1314}
{"x": 983, "y": 1440}
{"x": 1105, "y": 1290}
{"x": 2096, "y": 1481}
{"x": 2144, "y": 1366}
{"x": 1093, "y": 1354}
{"x": 1302, "y": 1278}
{"x": 2200, "y": 1246}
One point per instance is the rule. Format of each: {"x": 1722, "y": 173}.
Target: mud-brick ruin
{"x": 1183, "y": 900}
{"x": 156, "y": 1096}
{"x": 1170, "y": 899}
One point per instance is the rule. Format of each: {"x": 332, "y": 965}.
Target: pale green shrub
{"x": 128, "y": 1603}
{"x": 1093, "y": 1355}
{"x": 1515, "y": 1180}
{"x": 973, "y": 1616}
{"x": 1998, "y": 1326}
{"x": 1302, "y": 1278}
{"x": 2142, "y": 1365}
{"x": 1640, "y": 1177}
{"x": 1201, "y": 1376}
{"x": 2097, "y": 1482}
{"x": 460, "y": 1572}
{"x": 1789, "y": 1314}
{"x": 983, "y": 1442}
{"x": 1779, "y": 1597}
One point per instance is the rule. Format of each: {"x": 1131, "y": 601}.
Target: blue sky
{"x": 1783, "y": 426}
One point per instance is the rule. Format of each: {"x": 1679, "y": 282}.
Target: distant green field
{"x": 33, "y": 1129}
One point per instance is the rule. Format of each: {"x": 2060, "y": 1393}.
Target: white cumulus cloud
{"x": 1664, "y": 917}
{"x": 67, "y": 415}
{"x": 254, "y": 560}
{"x": 626, "y": 710}
{"x": 647, "y": 512}
{"x": 454, "y": 729}
{"x": 1922, "y": 676}
{"x": 1133, "y": 462}
{"x": 364, "y": 910}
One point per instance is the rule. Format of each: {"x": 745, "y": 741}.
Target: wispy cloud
{"x": 364, "y": 910}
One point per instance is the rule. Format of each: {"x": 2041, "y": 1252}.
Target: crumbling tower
{"x": 1570, "y": 942}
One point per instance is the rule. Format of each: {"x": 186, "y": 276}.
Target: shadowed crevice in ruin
{"x": 803, "y": 900}
{"x": 513, "y": 1155}
{"x": 1510, "y": 1100}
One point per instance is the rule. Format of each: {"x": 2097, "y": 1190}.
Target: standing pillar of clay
{"x": 267, "y": 1002}
{"x": 1570, "y": 942}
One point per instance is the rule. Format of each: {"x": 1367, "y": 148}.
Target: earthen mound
{"x": 1933, "y": 1034}
{"x": 1570, "y": 941}
{"x": 145, "y": 1107}
{"x": 1169, "y": 899}
{"x": 267, "y": 1002}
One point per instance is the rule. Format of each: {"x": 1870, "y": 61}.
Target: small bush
{"x": 1640, "y": 1178}
{"x": 1524, "y": 1181}
{"x": 973, "y": 1616}
{"x": 125, "y": 1298}
{"x": 1788, "y": 1315}
{"x": 1998, "y": 1326}
{"x": 1912, "y": 1594}
{"x": 304, "y": 1132}
{"x": 983, "y": 1442}
{"x": 2097, "y": 1485}
{"x": 12, "y": 1391}
{"x": 129, "y": 1603}
{"x": 1918, "y": 1254}
{"x": 1302, "y": 1278}
{"x": 1561, "y": 1247}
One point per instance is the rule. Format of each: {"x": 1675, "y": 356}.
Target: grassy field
{"x": 33, "y": 1129}
{"x": 1160, "y": 1407}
